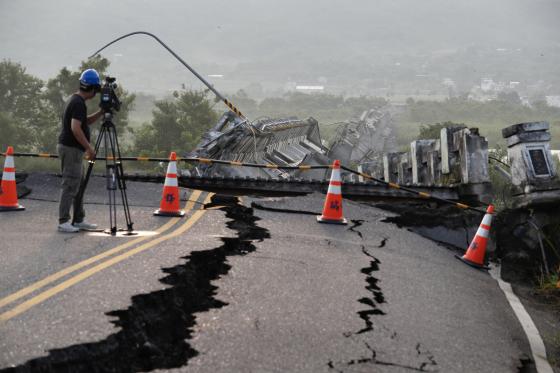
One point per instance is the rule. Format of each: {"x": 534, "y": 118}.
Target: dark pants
{"x": 71, "y": 162}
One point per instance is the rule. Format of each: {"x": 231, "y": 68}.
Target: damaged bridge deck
{"x": 267, "y": 186}
{"x": 237, "y": 285}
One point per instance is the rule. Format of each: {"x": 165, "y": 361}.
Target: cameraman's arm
{"x": 76, "y": 127}
{"x": 93, "y": 117}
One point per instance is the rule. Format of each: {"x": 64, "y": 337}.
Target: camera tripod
{"x": 113, "y": 173}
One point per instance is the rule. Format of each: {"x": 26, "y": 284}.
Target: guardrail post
{"x": 405, "y": 169}
{"x": 391, "y": 167}
{"x": 533, "y": 171}
{"x": 473, "y": 155}
{"x": 450, "y": 164}
{"x": 419, "y": 160}
{"x": 434, "y": 163}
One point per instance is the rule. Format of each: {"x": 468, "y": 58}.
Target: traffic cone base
{"x": 472, "y": 264}
{"x": 342, "y": 221}
{"x": 178, "y": 214}
{"x": 15, "y": 208}
{"x": 8, "y": 188}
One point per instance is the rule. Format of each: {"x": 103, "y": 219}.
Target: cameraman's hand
{"x": 90, "y": 153}
{"x": 92, "y": 118}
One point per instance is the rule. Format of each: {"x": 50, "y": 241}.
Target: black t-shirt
{"x": 75, "y": 109}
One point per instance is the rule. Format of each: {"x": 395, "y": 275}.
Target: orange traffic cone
{"x": 332, "y": 210}
{"x": 8, "y": 190}
{"x": 169, "y": 205}
{"x": 477, "y": 249}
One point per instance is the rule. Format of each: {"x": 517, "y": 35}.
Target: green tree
{"x": 13, "y": 132}
{"x": 178, "y": 124}
{"x": 60, "y": 88}
{"x": 19, "y": 91}
{"x": 23, "y": 111}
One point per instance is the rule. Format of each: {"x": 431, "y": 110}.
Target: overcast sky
{"x": 45, "y": 35}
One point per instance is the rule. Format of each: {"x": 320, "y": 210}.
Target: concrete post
{"x": 391, "y": 167}
{"x": 360, "y": 177}
{"x": 473, "y": 155}
{"x": 449, "y": 149}
{"x": 405, "y": 169}
{"x": 419, "y": 160}
{"x": 533, "y": 170}
{"x": 434, "y": 163}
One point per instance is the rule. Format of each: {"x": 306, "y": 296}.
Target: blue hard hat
{"x": 90, "y": 78}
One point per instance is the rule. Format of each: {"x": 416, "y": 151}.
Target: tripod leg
{"x": 122, "y": 187}
{"x": 111, "y": 178}
{"x": 83, "y": 185}
{"x": 121, "y": 183}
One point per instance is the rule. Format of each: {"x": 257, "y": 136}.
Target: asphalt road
{"x": 241, "y": 289}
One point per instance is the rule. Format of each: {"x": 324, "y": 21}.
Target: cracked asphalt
{"x": 253, "y": 286}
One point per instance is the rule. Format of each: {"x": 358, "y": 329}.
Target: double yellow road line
{"x": 106, "y": 260}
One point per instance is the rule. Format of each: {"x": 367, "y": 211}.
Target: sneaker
{"x": 85, "y": 226}
{"x": 67, "y": 228}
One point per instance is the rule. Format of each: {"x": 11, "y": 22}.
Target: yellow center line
{"x": 41, "y": 297}
{"x": 49, "y": 279}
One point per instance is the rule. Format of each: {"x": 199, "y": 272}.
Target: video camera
{"x": 109, "y": 99}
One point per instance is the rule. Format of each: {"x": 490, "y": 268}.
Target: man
{"x": 73, "y": 141}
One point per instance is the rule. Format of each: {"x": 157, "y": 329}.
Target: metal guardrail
{"x": 420, "y": 194}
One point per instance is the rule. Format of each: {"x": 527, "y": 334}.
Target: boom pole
{"x": 228, "y": 103}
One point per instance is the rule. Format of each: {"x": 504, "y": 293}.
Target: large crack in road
{"x": 423, "y": 358}
{"x": 377, "y": 295}
{"x": 372, "y": 286}
{"x": 155, "y": 329}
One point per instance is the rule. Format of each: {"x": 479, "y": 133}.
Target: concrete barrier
{"x": 533, "y": 169}
{"x": 459, "y": 156}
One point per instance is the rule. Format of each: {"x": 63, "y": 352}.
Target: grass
{"x": 550, "y": 283}
{"x": 548, "y": 289}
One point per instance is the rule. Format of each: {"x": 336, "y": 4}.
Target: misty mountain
{"x": 275, "y": 42}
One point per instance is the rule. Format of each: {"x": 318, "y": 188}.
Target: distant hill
{"x": 251, "y": 41}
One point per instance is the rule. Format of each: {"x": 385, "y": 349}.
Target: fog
{"x": 350, "y": 47}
